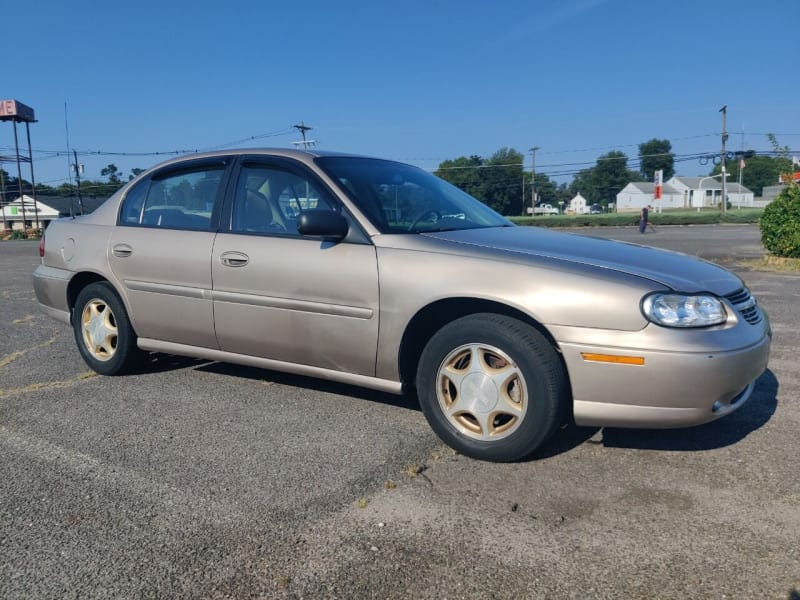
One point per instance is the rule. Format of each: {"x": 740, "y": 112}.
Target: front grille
{"x": 745, "y": 305}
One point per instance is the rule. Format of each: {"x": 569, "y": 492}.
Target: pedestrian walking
{"x": 644, "y": 222}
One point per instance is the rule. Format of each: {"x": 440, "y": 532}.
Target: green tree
{"x": 656, "y": 154}
{"x": 502, "y": 182}
{"x": 98, "y": 188}
{"x": 780, "y": 223}
{"x": 496, "y": 181}
{"x": 547, "y": 190}
{"x": 112, "y": 172}
{"x": 135, "y": 172}
{"x": 759, "y": 170}
{"x": 4, "y": 190}
{"x": 601, "y": 183}
{"x": 462, "y": 172}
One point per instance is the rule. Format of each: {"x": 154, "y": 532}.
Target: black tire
{"x": 103, "y": 331}
{"x": 507, "y": 419}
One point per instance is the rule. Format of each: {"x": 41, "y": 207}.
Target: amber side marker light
{"x": 613, "y": 358}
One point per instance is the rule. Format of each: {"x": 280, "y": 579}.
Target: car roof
{"x": 301, "y": 155}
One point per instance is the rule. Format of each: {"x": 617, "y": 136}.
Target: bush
{"x": 631, "y": 219}
{"x": 780, "y": 224}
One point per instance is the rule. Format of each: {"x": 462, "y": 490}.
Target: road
{"x": 204, "y": 480}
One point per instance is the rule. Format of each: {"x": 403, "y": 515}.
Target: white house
{"x": 44, "y": 209}
{"x": 699, "y": 192}
{"x": 638, "y": 194}
{"x": 12, "y": 214}
{"x": 578, "y": 205}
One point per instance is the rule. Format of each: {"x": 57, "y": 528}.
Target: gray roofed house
{"x": 69, "y": 205}
{"x": 46, "y": 208}
{"x": 701, "y": 192}
{"x": 638, "y": 194}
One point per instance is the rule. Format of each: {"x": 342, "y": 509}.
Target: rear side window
{"x": 131, "y": 213}
{"x": 182, "y": 200}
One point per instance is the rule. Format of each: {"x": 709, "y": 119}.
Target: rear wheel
{"x": 103, "y": 331}
{"x": 492, "y": 387}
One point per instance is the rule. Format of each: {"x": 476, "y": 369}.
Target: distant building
{"x": 700, "y": 192}
{"x": 578, "y": 205}
{"x": 46, "y": 208}
{"x": 638, "y": 194}
{"x": 682, "y": 192}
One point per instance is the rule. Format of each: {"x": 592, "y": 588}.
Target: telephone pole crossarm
{"x": 302, "y": 128}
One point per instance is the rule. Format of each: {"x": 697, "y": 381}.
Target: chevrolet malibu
{"x": 378, "y": 274}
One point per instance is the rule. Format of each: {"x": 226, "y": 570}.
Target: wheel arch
{"x": 80, "y": 281}
{"x": 429, "y": 319}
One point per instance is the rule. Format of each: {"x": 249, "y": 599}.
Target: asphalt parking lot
{"x": 205, "y": 480}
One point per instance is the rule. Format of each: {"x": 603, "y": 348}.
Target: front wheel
{"x": 103, "y": 331}
{"x": 492, "y": 387}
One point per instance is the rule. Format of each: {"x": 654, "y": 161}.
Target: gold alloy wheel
{"x": 482, "y": 392}
{"x": 99, "y": 329}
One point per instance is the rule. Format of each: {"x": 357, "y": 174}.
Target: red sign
{"x": 659, "y": 180}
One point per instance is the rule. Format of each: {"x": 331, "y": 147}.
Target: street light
{"x": 700, "y": 187}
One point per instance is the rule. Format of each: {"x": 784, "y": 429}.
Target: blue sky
{"x": 418, "y": 81}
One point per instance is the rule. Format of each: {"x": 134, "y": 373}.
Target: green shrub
{"x": 631, "y": 219}
{"x": 780, "y": 224}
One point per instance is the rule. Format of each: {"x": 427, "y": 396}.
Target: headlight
{"x": 680, "y": 310}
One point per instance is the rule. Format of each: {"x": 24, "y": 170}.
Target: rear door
{"x": 286, "y": 297}
{"x": 161, "y": 252}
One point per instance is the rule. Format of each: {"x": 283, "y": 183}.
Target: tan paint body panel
{"x": 299, "y": 301}
{"x": 546, "y": 296}
{"x": 166, "y": 279}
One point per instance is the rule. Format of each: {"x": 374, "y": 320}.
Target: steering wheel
{"x": 424, "y": 213}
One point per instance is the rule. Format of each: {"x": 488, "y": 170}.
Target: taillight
{"x": 41, "y": 247}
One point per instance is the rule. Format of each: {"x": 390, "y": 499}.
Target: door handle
{"x": 122, "y": 250}
{"x": 234, "y": 259}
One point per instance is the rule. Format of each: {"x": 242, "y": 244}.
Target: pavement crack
{"x": 38, "y": 386}
{"x": 26, "y": 320}
{"x": 9, "y": 358}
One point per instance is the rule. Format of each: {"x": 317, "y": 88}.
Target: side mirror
{"x": 323, "y": 223}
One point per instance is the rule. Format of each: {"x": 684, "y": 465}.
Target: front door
{"x": 286, "y": 297}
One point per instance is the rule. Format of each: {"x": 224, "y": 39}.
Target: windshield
{"x": 399, "y": 198}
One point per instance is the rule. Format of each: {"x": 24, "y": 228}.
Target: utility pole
{"x": 3, "y": 195}
{"x": 302, "y": 128}
{"x": 78, "y": 168}
{"x": 724, "y": 111}
{"x": 33, "y": 181}
{"x": 19, "y": 181}
{"x": 533, "y": 178}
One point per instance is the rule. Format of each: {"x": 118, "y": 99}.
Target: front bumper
{"x": 673, "y": 388}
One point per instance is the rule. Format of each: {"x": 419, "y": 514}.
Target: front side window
{"x": 181, "y": 200}
{"x": 269, "y": 200}
{"x": 399, "y": 198}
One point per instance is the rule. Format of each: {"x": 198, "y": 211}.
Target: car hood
{"x": 677, "y": 271}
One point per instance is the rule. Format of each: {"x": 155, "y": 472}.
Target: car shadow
{"x": 157, "y": 362}
{"x": 756, "y": 412}
{"x": 725, "y": 432}
{"x": 407, "y": 401}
